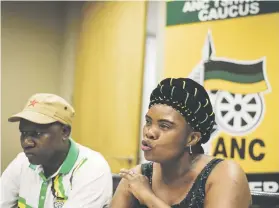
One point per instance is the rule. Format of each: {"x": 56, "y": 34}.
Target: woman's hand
{"x": 138, "y": 185}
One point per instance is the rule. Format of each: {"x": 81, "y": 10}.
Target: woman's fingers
{"x": 131, "y": 172}
{"x": 127, "y": 174}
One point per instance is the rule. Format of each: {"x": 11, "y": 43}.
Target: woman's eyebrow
{"x": 166, "y": 120}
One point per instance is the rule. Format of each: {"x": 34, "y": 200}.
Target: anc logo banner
{"x": 236, "y": 60}
{"x": 183, "y": 12}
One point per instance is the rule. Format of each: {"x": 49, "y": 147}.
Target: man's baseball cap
{"x": 45, "y": 108}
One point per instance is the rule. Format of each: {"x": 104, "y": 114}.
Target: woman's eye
{"x": 147, "y": 122}
{"x": 164, "y": 126}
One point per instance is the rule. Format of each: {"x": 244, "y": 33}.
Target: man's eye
{"x": 32, "y": 134}
{"x": 38, "y": 134}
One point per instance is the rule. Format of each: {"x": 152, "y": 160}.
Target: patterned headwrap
{"x": 191, "y": 100}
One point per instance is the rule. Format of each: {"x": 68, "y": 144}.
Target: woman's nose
{"x": 150, "y": 132}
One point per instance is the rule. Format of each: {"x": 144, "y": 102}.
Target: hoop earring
{"x": 190, "y": 152}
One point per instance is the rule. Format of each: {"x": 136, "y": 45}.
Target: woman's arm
{"x": 122, "y": 197}
{"x": 227, "y": 186}
{"x": 135, "y": 186}
{"x": 154, "y": 202}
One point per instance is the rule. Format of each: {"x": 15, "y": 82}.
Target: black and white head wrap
{"x": 191, "y": 100}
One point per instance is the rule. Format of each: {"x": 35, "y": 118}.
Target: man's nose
{"x": 27, "y": 142}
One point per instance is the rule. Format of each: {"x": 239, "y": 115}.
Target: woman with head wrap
{"x": 180, "y": 118}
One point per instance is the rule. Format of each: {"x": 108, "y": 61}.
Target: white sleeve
{"x": 10, "y": 181}
{"x": 91, "y": 187}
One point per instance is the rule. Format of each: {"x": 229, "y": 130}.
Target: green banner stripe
{"x": 248, "y": 69}
{"x": 234, "y": 77}
{"x": 175, "y": 15}
{"x": 185, "y": 12}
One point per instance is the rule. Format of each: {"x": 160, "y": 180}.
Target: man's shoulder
{"x": 18, "y": 164}
{"x": 93, "y": 158}
{"x": 89, "y": 153}
{"x": 21, "y": 159}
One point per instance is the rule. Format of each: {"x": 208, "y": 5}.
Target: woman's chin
{"x": 150, "y": 157}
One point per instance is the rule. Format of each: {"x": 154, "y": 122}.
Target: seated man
{"x": 54, "y": 170}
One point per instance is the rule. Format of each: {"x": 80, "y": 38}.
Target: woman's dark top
{"x": 196, "y": 195}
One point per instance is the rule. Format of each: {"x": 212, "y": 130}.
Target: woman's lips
{"x": 146, "y": 146}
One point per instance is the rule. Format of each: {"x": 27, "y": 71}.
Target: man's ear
{"x": 194, "y": 138}
{"x": 66, "y": 130}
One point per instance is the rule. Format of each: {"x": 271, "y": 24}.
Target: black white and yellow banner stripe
{"x": 235, "y": 78}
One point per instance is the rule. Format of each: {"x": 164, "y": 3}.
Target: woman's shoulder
{"x": 224, "y": 165}
{"x": 222, "y": 170}
{"x": 227, "y": 172}
{"x": 228, "y": 169}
